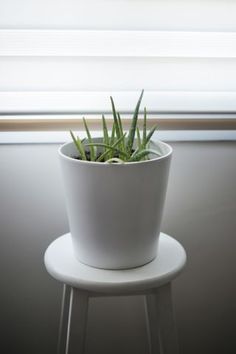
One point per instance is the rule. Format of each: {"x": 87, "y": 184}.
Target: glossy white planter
{"x": 115, "y": 210}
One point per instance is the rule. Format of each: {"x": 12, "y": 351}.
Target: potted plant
{"x": 115, "y": 189}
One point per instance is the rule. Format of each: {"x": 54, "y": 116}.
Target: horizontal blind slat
{"x": 117, "y": 74}
{"x": 102, "y": 14}
{"x": 117, "y": 43}
{"x": 95, "y": 102}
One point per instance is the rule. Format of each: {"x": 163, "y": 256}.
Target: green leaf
{"x": 92, "y": 150}
{"x": 135, "y": 152}
{"x": 79, "y": 145}
{"x": 116, "y": 160}
{"x": 122, "y": 144}
{"x": 132, "y": 130}
{"x": 112, "y": 140}
{"x": 103, "y": 156}
{"x": 150, "y": 134}
{"x": 113, "y": 134}
{"x": 141, "y": 154}
{"x": 105, "y": 131}
{"x": 115, "y": 118}
{"x": 144, "y": 128}
{"x": 139, "y": 138}
{"x": 106, "y": 152}
{"x": 110, "y": 147}
{"x": 120, "y": 123}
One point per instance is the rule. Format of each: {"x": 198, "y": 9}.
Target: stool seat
{"x": 63, "y": 266}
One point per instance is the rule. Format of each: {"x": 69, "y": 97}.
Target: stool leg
{"x": 161, "y": 319}
{"x": 77, "y": 322}
{"x": 63, "y": 319}
{"x": 152, "y": 324}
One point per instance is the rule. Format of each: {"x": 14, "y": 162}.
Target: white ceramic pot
{"x": 115, "y": 210}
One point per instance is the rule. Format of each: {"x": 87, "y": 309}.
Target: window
{"x": 63, "y": 63}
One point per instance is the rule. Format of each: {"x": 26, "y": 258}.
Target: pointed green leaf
{"x": 112, "y": 140}
{"x": 113, "y": 134}
{"x": 79, "y": 146}
{"x": 135, "y": 152}
{"x": 144, "y": 128}
{"x": 120, "y": 123}
{"x": 141, "y": 154}
{"x": 105, "y": 131}
{"x": 106, "y": 153}
{"x": 122, "y": 144}
{"x": 150, "y": 134}
{"x": 115, "y": 118}
{"x": 92, "y": 150}
{"x": 109, "y": 147}
{"x": 132, "y": 130}
{"x": 139, "y": 138}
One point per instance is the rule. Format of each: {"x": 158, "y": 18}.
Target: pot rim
{"x": 95, "y": 163}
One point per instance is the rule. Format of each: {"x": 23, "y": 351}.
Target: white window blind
{"x": 60, "y": 60}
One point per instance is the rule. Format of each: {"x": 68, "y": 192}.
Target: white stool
{"x": 152, "y": 280}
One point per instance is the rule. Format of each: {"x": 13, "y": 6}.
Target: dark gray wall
{"x": 200, "y": 212}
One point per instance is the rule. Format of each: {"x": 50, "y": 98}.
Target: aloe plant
{"x": 119, "y": 146}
